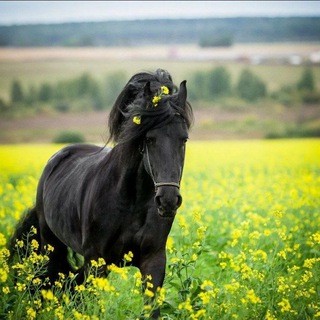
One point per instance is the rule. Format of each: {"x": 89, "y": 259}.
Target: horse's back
{"x": 72, "y": 153}
{"x": 69, "y": 167}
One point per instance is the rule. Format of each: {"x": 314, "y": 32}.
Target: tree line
{"x": 216, "y": 84}
{"x": 82, "y": 93}
{"x": 85, "y": 93}
{"x": 205, "y": 32}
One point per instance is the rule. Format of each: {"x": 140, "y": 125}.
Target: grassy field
{"x": 216, "y": 120}
{"x": 245, "y": 243}
{"x": 35, "y": 66}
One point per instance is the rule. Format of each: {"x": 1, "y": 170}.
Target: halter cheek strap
{"x": 159, "y": 184}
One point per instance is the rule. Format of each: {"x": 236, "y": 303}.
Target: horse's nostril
{"x": 157, "y": 201}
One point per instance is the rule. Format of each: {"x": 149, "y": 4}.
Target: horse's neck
{"x": 131, "y": 177}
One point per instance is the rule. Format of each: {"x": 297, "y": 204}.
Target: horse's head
{"x": 150, "y": 115}
{"x": 164, "y": 149}
{"x": 163, "y": 157}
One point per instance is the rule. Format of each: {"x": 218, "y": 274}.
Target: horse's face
{"x": 164, "y": 160}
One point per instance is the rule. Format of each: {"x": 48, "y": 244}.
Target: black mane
{"x": 133, "y": 101}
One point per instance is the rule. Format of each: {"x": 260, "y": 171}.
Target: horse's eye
{"x": 149, "y": 140}
{"x": 185, "y": 140}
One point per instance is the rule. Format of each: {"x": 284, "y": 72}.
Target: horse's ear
{"x": 182, "y": 93}
{"x": 147, "y": 90}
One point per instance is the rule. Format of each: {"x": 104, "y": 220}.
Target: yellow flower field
{"x": 245, "y": 243}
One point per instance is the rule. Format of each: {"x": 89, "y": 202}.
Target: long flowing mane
{"x": 133, "y": 100}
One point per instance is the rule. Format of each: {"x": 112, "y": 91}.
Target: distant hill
{"x": 215, "y": 32}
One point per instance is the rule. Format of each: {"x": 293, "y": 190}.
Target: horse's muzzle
{"x": 168, "y": 199}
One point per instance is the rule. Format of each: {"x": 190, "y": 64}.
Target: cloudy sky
{"x": 20, "y": 12}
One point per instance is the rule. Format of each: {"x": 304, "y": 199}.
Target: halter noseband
{"x": 158, "y": 184}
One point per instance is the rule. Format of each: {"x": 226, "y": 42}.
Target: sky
{"x": 25, "y": 12}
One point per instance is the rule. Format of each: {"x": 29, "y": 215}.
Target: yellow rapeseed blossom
{"x": 34, "y": 244}
{"x": 233, "y": 286}
{"x": 47, "y": 294}
{"x": 170, "y": 244}
{"x": 205, "y": 297}
{"x": 103, "y": 284}
{"x": 123, "y": 272}
{"x": 314, "y": 239}
{"x": 207, "y": 285}
{"x": 270, "y": 316}
{"x": 6, "y": 290}
{"x": 3, "y": 275}
{"x": 49, "y": 248}
{"x": 309, "y": 263}
{"x": 201, "y": 231}
{"x": 31, "y": 314}
{"x": 250, "y": 220}
{"x": 3, "y": 240}
{"x": 33, "y": 230}
{"x": 149, "y": 293}
{"x": 59, "y": 313}
{"x": 160, "y": 296}
{"x": 260, "y": 255}
{"x": 186, "y": 305}
{"x": 128, "y": 256}
{"x": 19, "y": 244}
{"x": 20, "y": 286}
{"x": 80, "y": 288}
{"x": 284, "y": 305}
{"x": 252, "y": 297}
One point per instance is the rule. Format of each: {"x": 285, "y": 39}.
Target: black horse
{"x": 105, "y": 202}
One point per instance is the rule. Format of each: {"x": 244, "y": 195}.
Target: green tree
{"x": 31, "y": 96}
{"x": 306, "y": 82}
{"x": 16, "y": 92}
{"x": 218, "y": 82}
{"x": 45, "y": 92}
{"x": 86, "y": 85}
{"x": 3, "y": 106}
{"x": 197, "y": 90}
{"x": 250, "y": 87}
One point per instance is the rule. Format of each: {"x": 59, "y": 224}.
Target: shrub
{"x": 295, "y": 132}
{"x": 287, "y": 95}
{"x": 250, "y": 87}
{"x": 219, "y": 82}
{"x": 69, "y": 137}
{"x": 16, "y": 92}
{"x": 306, "y": 82}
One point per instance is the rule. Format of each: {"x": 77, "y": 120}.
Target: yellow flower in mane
{"x": 163, "y": 92}
{"x": 136, "y": 120}
{"x": 156, "y": 100}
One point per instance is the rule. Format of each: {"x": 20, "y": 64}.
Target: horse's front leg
{"x": 152, "y": 268}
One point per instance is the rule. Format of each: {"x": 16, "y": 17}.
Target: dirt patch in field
{"x": 179, "y": 52}
{"x": 209, "y": 124}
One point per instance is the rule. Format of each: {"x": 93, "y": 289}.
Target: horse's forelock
{"x": 151, "y": 118}
{"x": 130, "y": 102}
